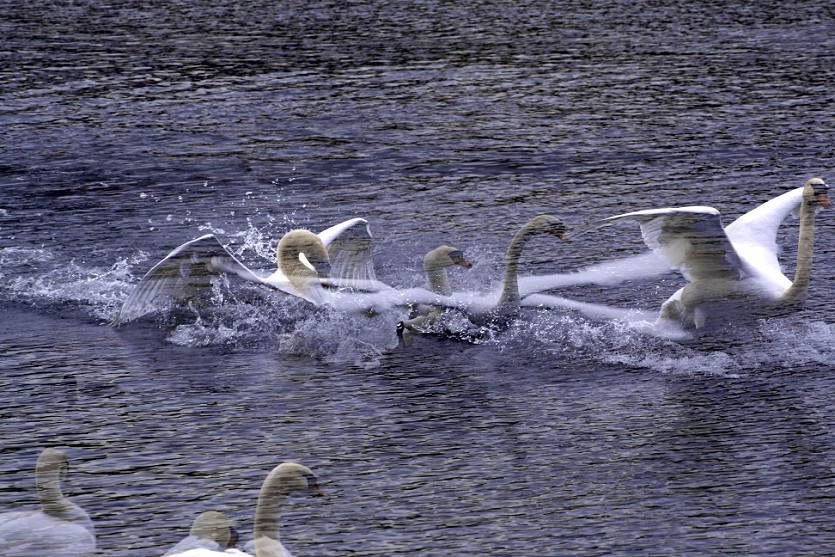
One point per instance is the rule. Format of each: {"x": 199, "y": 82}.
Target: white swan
{"x": 435, "y": 264}
{"x": 303, "y": 261}
{"x": 211, "y": 530}
{"x": 496, "y": 314}
{"x": 733, "y": 270}
{"x": 60, "y": 529}
{"x": 286, "y": 479}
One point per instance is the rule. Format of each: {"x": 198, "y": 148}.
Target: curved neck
{"x": 48, "y": 482}
{"x": 304, "y": 280}
{"x": 267, "y": 514}
{"x": 805, "y": 245}
{"x": 510, "y": 291}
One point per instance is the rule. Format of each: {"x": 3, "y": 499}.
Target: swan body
{"x": 212, "y": 530}
{"x": 60, "y": 529}
{"x": 304, "y": 262}
{"x": 732, "y": 269}
{"x": 288, "y": 478}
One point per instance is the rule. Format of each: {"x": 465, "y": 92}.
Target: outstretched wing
{"x": 754, "y": 234}
{"x": 185, "y": 273}
{"x": 643, "y": 265}
{"x": 182, "y": 274}
{"x": 349, "y": 250}
{"x": 690, "y": 239}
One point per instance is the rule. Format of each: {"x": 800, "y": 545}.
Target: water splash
{"x": 99, "y": 290}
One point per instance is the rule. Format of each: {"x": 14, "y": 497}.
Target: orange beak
{"x": 823, "y": 199}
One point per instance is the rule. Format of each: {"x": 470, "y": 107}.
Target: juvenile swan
{"x": 733, "y": 270}
{"x": 285, "y": 479}
{"x": 304, "y": 261}
{"x": 60, "y": 529}
{"x": 435, "y": 264}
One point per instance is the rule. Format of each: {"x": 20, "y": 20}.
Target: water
{"x": 128, "y": 129}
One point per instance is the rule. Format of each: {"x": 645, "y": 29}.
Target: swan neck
{"x": 268, "y": 513}
{"x": 510, "y": 291}
{"x": 805, "y": 246}
{"x": 48, "y": 483}
{"x": 303, "y": 279}
{"x": 439, "y": 281}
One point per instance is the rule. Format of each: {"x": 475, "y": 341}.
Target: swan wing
{"x": 394, "y": 299}
{"x": 754, "y": 234}
{"x": 690, "y": 239}
{"x": 349, "y": 250}
{"x": 181, "y": 274}
{"x": 615, "y": 271}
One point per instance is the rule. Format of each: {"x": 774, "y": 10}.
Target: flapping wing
{"x": 349, "y": 250}
{"x": 754, "y": 234}
{"x": 615, "y": 271}
{"x": 182, "y": 274}
{"x": 690, "y": 239}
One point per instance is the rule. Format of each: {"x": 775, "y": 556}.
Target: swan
{"x": 485, "y": 312}
{"x": 435, "y": 265}
{"x": 733, "y": 268}
{"x": 60, "y": 529}
{"x": 304, "y": 261}
{"x": 211, "y": 530}
{"x": 286, "y": 479}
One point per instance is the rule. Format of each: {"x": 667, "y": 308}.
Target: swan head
{"x": 302, "y": 249}
{"x": 549, "y": 225}
{"x": 443, "y": 257}
{"x": 816, "y": 192}
{"x": 215, "y": 526}
{"x": 292, "y": 478}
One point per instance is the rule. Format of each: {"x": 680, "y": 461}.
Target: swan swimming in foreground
{"x": 497, "y": 314}
{"x": 211, "y": 530}
{"x": 286, "y": 479}
{"x": 304, "y": 261}
{"x": 732, "y": 269}
{"x": 60, "y": 529}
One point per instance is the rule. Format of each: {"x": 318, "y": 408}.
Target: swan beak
{"x": 459, "y": 259}
{"x": 564, "y": 237}
{"x": 823, "y": 200}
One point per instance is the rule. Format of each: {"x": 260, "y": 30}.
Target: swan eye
{"x": 456, "y": 256}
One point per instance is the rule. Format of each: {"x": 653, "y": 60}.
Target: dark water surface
{"x": 129, "y": 128}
